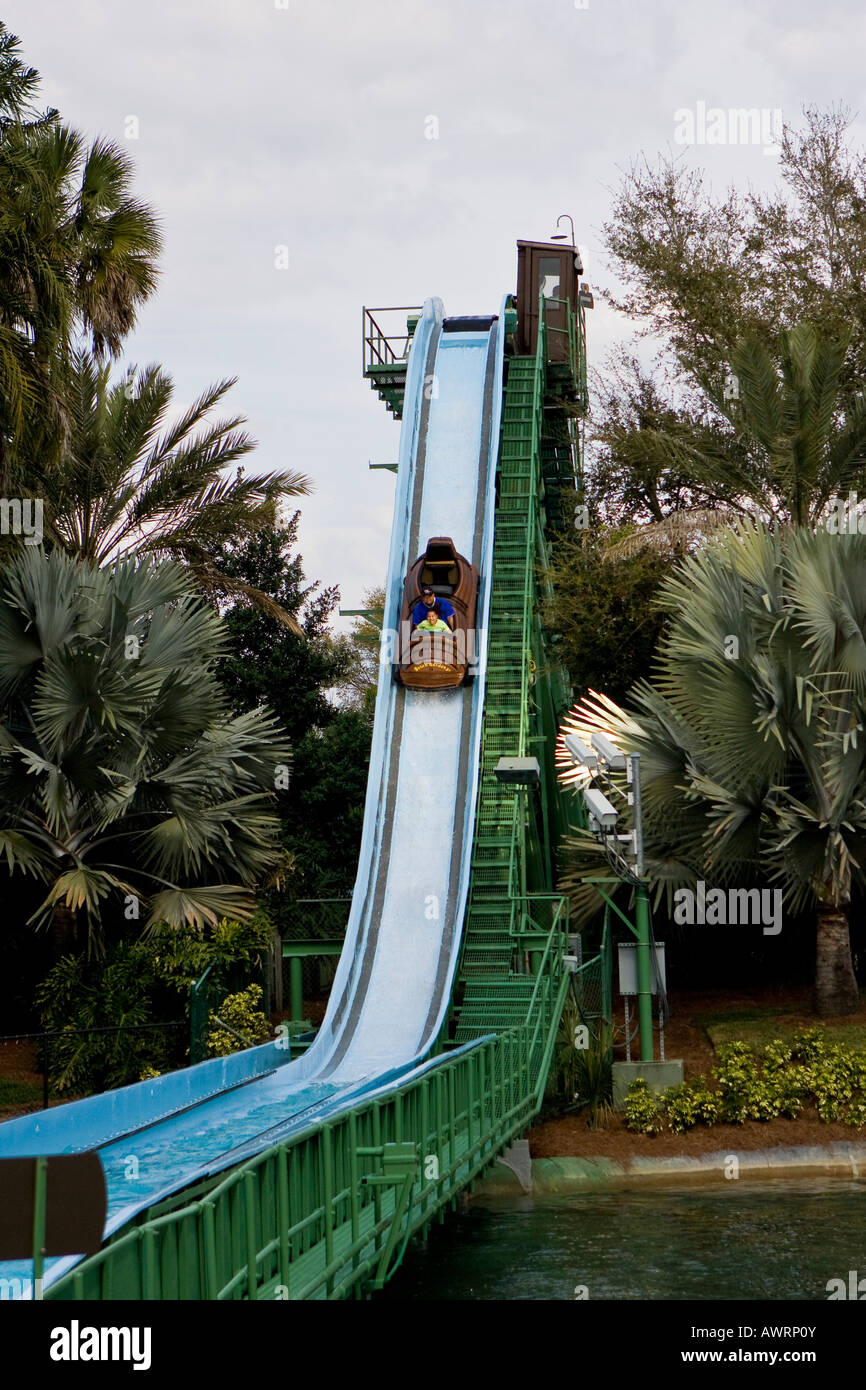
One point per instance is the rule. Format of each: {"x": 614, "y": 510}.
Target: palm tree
{"x": 130, "y": 481}
{"x": 125, "y": 780}
{"x": 751, "y": 736}
{"x": 77, "y": 256}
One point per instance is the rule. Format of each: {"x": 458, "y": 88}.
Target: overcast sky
{"x": 305, "y": 124}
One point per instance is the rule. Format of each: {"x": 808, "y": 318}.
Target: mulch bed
{"x": 570, "y": 1137}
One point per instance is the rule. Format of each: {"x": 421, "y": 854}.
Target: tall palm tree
{"x": 126, "y": 782}
{"x": 751, "y": 736}
{"x": 77, "y": 256}
{"x": 131, "y": 481}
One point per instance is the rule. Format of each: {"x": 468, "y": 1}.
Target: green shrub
{"x": 241, "y": 1013}
{"x": 143, "y": 981}
{"x": 747, "y": 1087}
{"x": 741, "y": 1094}
{"x": 642, "y": 1114}
{"x": 691, "y": 1103}
{"x": 809, "y": 1045}
{"x": 80, "y": 995}
{"x": 834, "y": 1083}
{"x": 857, "y": 1112}
{"x": 788, "y": 1084}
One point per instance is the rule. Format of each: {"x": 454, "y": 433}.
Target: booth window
{"x": 549, "y": 269}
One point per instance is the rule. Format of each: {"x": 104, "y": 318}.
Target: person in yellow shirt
{"x": 433, "y": 622}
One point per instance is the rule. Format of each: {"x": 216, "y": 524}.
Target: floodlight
{"x": 612, "y": 755}
{"x": 523, "y": 772}
{"x": 602, "y": 813}
{"x": 579, "y": 752}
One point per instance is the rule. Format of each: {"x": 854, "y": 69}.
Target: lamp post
{"x": 600, "y": 760}
{"x": 560, "y": 236}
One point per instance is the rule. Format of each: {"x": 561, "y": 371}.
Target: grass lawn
{"x": 760, "y": 1026}
{"x": 19, "y": 1092}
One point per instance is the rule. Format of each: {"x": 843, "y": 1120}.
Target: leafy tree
{"x": 780, "y": 447}
{"x": 705, "y": 271}
{"x": 123, "y": 774}
{"x": 602, "y": 610}
{"x": 723, "y": 284}
{"x": 323, "y": 813}
{"x": 264, "y": 663}
{"x": 322, "y": 810}
{"x": 640, "y": 471}
{"x": 362, "y": 679}
{"x": 751, "y": 736}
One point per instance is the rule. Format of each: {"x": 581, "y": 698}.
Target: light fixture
{"x": 579, "y": 752}
{"x": 612, "y": 755}
{"x": 560, "y": 236}
{"x": 521, "y": 772}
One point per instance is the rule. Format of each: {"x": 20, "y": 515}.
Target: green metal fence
{"x": 330, "y": 1211}
{"x": 592, "y": 985}
{"x": 312, "y": 931}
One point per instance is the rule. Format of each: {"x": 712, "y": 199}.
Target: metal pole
{"x": 644, "y": 984}
{"x": 39, "y": 1204}
{"x": 296, "y": 988}
{"x": 644, "y": 978}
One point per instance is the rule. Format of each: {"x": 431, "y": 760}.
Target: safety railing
{"x": 575, "y": 334}
{"x": 382, "y": 346}
{"x": 332, "y": 1209}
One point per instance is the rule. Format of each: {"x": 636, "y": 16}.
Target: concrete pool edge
{"x": 553, "y": 1176}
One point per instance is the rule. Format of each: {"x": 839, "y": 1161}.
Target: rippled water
{"x": 771, "y": 1240}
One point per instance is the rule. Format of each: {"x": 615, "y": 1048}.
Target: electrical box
{"x": 627, "y": 961}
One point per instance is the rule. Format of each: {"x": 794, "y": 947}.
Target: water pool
{"x": 762, "y": 1241}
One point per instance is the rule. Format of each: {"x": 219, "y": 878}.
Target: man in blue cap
{"x": 426, "y": 605}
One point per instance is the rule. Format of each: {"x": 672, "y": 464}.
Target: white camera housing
{"x": 579, "y": 751}
{"x": 602, "y": 813}
{"x": 613, "y": 756}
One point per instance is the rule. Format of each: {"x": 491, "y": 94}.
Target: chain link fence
{"x": 310, "y": 920}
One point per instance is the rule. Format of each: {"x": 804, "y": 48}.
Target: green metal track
{"x": 328, "y": 1213}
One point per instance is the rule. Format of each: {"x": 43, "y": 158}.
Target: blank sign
{"x": 75, "y": 1205}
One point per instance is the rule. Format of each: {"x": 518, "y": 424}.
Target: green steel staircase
{"x": 492, "y": 998}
